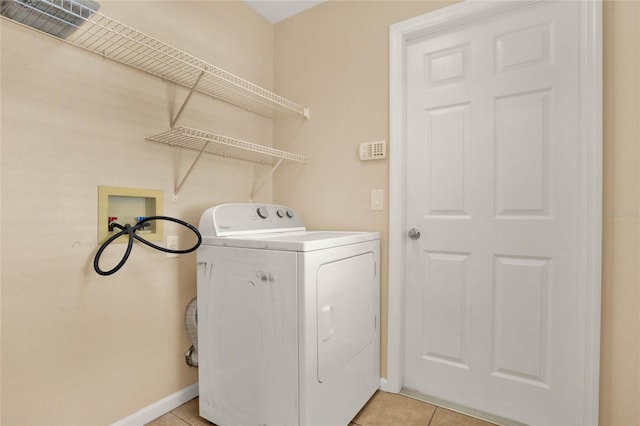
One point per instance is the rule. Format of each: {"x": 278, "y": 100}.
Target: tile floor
{"x": 384, "y": 409}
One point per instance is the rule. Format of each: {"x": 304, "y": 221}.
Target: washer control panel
{"x": 248, "y": 218}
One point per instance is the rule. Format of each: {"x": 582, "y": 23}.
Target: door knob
{"x": 414, "y": 233}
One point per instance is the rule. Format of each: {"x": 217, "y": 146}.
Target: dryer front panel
{"x": 339, "y": 331}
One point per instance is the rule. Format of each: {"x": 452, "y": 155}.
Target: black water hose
{"x": 131, "y": 232}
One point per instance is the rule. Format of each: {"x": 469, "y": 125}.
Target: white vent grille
{"x": 373, "y": 150}
{"x": 52, "y": 17}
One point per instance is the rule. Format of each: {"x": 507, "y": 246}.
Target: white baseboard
{"x": 384, "y": 385}
{"x": 158, "y": 408}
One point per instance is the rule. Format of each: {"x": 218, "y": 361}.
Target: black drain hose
{"x": 131, "y": 232}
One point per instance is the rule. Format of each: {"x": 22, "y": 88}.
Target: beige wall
{"x": 334, "y": 58}
{"x": 82, "y": 349}
{"x": 620, "y": 347}
{"x": 77, "y": 348}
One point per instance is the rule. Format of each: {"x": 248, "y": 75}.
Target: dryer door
{"x": 346, "y": 311}
{"x": 339, "y": 333}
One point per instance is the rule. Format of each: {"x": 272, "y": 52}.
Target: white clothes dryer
{"x": 288, "y": 319}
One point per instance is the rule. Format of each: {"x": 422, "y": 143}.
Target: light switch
{"x": 377, "y": 199}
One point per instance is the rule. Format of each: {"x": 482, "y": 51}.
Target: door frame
{"x": 590, "y": 165}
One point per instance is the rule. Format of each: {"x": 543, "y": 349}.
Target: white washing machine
{"x": 288, "y": 319}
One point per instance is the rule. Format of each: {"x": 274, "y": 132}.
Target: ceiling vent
{"x": 56, "y": 17}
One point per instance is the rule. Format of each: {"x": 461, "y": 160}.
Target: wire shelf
{"x": 225, "y": 146}
{"x": 114, "y": 40}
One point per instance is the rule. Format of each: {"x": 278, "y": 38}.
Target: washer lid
{"x": 293, "y": 241}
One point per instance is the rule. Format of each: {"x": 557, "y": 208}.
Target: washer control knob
{"x": 289, "y": 213}
{"x": 280, "y": 213}
{"x": 263, "y": 212}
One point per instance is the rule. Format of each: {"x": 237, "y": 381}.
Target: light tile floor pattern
{"x": 384, "y": 409}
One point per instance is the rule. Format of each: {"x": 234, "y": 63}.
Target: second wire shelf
{"x": 225, "y": 146}
{"x": 212, "y": 143}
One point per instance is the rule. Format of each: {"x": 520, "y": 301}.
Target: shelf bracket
{"x": 186, "y": 101}
{"x": 264, "y": 180}
{"x": 186, "y": 175}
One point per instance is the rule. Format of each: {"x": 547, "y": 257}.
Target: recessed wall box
{"x": 128, "y": 205}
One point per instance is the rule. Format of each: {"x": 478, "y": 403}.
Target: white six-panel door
{"x": 494, "y": 306}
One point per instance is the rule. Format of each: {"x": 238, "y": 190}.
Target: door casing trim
{"x": 590, "y": 224}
